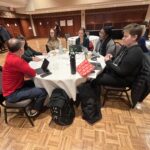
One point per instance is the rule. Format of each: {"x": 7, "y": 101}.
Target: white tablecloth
{"x": 92, "y": 38}
{"x": 148, "y": 45}
{"x": 61, "y": 75}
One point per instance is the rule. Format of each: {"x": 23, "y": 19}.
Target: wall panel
{"x": 43, "y": 30}
{"x": 13, "y": 26}
{"x": 117, "y": 17}
{"x": 26, "y": 28}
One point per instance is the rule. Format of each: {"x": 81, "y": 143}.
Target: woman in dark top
{"x": 142, "y": 43}
{"x": 142, "y": 40}
{"x": 29, "y": 53}
{"x": 123, "y": 69}
{"x": 82, "y": 40}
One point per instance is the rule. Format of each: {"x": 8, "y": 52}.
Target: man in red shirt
{"x": 14, "y": 70}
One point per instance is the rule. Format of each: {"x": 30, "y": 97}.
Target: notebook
{"x": 43, "y": 68}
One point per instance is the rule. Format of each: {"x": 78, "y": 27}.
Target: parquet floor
{"x": 121, "y": 128}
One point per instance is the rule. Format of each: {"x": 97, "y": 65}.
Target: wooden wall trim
{"x": 116, "y": 17}
{"x": 117, "y": 9}
{"x": 51, "y": 15}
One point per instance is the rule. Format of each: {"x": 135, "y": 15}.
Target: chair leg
{"x": 28, "y": 118}
{"x": 5, "y": 115}
{"x": 105, "y": 97}
{"x": 130, "y": 105}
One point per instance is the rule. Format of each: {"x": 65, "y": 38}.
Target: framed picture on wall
{"x": 70, "y": 22}
{"x": 62, "y": 23}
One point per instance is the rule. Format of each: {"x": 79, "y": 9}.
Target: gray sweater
{"x": 110, "y": 47}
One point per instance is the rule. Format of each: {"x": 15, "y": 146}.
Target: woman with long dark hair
{"x": 82, "y": 40}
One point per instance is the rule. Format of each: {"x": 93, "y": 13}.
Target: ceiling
{"x": 48, "y": 6}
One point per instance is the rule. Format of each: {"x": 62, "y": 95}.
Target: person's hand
{"x": 44, "y": 53}
{"x": 36, "y": 59}
{"x": 108, "y": 57}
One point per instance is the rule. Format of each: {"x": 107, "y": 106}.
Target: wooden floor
{"x": 121, "y": 128}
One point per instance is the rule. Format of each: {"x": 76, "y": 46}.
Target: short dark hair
{"x": 134, "y": 29}
{"x": 108, "y": 30}
{"x": 14, "y": 45}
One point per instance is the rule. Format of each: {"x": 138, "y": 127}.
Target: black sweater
{"x": 29, "y": 53}
{"x": 129, "y": 65}
{"x": 85, "y": 42}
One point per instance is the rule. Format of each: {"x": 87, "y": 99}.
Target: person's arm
{"x": 24, "y": 67}
{"x": 86, "y": 42}
{"x": 49, "y": 46}
{"x": 27, "y": 58}
{"x": 110, "y": 48}
{"x": 97, "y": 46}
{"x": 34, "y": 51}
{"x": 128, "y": 64}
{"x": 59, "y": 44}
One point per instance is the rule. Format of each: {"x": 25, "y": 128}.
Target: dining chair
{"x": 117, "y": 93}
{"x": 11, "y": 107}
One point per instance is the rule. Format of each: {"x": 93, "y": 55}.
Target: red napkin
{"x": 85, "y": 68}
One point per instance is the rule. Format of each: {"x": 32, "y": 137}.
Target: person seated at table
{"x": 53, "y": 42}
{"x": 146, "y": 33}
{"x": 122, "y": 70}
{"x": 142, "y": 40}
{"x": 105, "y": 44}
{"x": 82, "y": 40}
{"x": 29, "y": 53}
{"x": 14, "y": 87}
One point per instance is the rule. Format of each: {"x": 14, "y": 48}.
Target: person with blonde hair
{"x": 53, "y": 41}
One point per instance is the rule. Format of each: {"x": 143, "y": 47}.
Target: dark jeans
{"x": 29, "y": 91}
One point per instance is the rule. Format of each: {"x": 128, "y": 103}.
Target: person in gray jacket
{"x": 105, "y": 43}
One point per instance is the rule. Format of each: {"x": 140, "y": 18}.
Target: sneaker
{"x": 139, "y": 106}
{"x": 32, "y": 113}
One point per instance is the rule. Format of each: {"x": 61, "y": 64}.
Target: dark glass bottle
{"x": 72, "y": 62}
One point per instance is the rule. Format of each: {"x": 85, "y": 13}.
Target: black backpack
{"x": 61, "y": 107}
{"x": 90, "y": 102}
